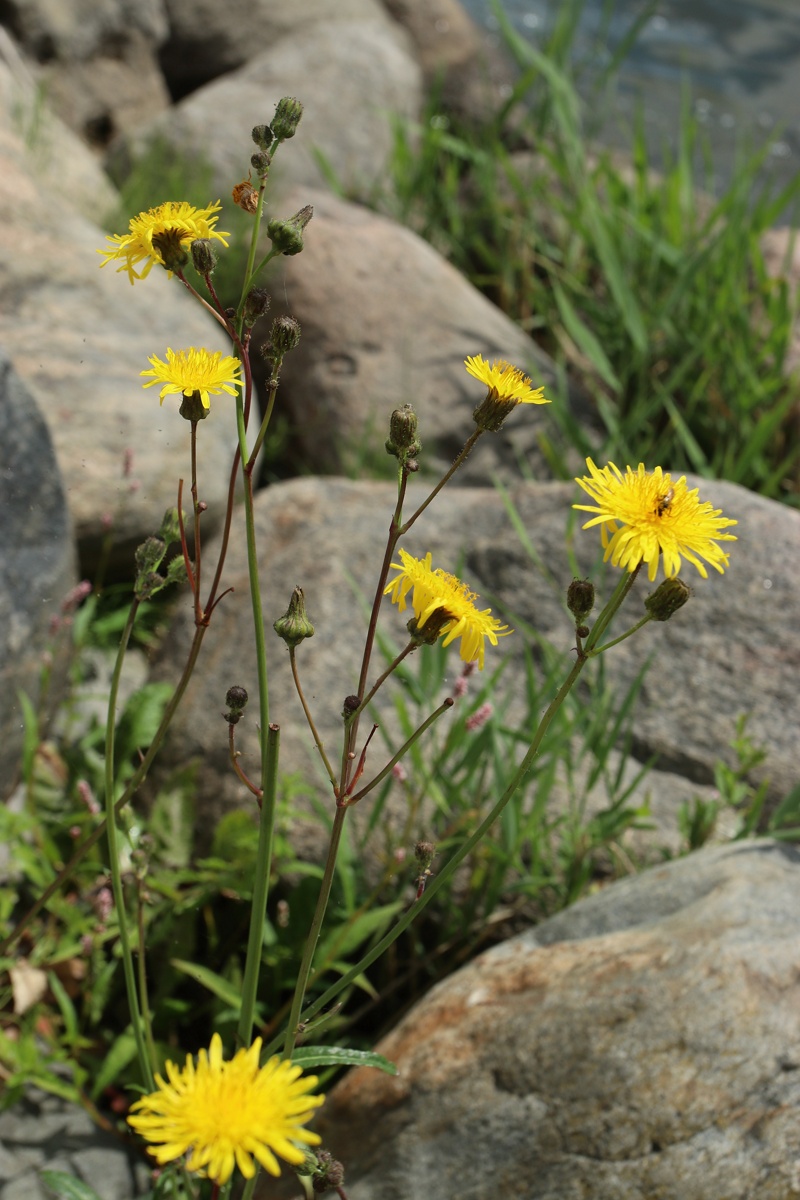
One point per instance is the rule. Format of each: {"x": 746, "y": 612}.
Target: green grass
{"x": 653, "y": 295}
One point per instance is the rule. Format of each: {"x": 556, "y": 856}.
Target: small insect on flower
{"x": 245, "y": 195}
{"x": 665, "y": 501}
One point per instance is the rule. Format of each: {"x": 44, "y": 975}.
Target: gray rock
{"x": 726, "y": 652}
{"x": 387, "y": 321}
{"x": 98, "y": 62}
{"x": 43, "y": 1132}
{"x": 206, "y": 40}
{"x": 644, "y": 1044}
{"x": 37, "y": 560}
{"x": 366, "y": 64}
{"x": 43, "y": 146}
{"x": 79, "y": 336}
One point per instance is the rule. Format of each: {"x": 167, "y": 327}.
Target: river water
{"x": 740, "y": 59}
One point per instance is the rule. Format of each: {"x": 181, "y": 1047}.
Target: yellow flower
{"x": 190, "y": 371}
{"x": 504, "y": 382}
{"x": 175, "y": 224}
{"x": 434, "y": 591}
{"x": 644, "y": 514}
{"x": 225, "y": 1114}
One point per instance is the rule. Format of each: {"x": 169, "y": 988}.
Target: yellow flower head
{"x": 176, "y": 224}
{"x": 434, "y": 591}
{"x": 225, "y": 1114}
{"x": 190, "y": 371}
{"x": 504, "y": 382}
{"x": 643, "y": 514}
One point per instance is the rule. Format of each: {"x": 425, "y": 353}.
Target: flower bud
{"x": 424, "y": 852}
{"x": 174, "y": 254}
{"x": 402, "y": 441}
{"x": 283, "y": 337}
{"x": 668, "y": 597}
{"x": 580, "y": 599}
{"x": 328, "y": 1172}
{"x": 170, "y": 530}
{"x": 176, "y": 570}
{"x": 287, "y": 236}
{"x": 204, "y": 256}
{"x": 261, "y": 162}
{"x": 263, "y": 137}
{"x": 350, "y": 705}
{"x": 148, "y": 556}
{"x": 147, "y": 584}
{"x": 288, "y": 112}
{"x": 256, "y": 304}
{"x": 236, "y": 700}
{"x": 294, "y": 626}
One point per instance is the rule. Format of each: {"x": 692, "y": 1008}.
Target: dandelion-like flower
{"x": 437, "y": 592}
{"x": 645, "y": 514}
{"x": 188, "y": 371}
{"x": 225, "y": 1114}
{"x": 155, "y": 235}
{"x": 506, "y": 386}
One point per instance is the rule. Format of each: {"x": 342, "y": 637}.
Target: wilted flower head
{"x": 174, "y": 224}
{"x": 645, "y": 514}
{"x": 225, "y": 1114}
{"x": 507, "y": 386}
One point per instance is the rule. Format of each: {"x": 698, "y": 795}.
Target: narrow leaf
{"x": 340, "y": 1056}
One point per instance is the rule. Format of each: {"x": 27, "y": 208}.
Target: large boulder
{"x": 37, "y": 562}
{"x": 79, "y": 337}
{"x": 725, "y": 653}
{"x": 644, "y": 1044}
{"x": 387, "y": 321}
{"x": 365, "y": 65}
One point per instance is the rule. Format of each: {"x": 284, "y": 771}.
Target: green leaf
{"x": 584, "y": 339}
{"x": 340, "y": 1056}
{"x": 121, "y": 1052}
{"x": 210, "y": 980}
{"x": 67, "y": 1186}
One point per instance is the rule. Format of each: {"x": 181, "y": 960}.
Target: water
{"x": 740, "y": 58}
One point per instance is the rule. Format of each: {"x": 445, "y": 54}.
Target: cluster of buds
{"x": 150, "y": 555}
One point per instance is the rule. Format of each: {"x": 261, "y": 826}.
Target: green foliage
{"x": 653, "y": 295}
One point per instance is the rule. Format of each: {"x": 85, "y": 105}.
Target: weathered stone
{"x": 387, "y": 321}
{"x": 725, "y": 653}
{"x": 643, "y": 1044}
{"x": 79, "y": 336}
{"x": 37, "y": 561}
{"x": 366, "y": 65}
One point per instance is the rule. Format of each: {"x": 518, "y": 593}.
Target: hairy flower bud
{"x": 402, "y": 441}
{"x": 294, "y": 626}
{"x": 256, "y": 304}
{"x": 149, "y": 554}
{"x": 170, "y": 530}
{"x": 283, "y": 337}
{"x": 261, "y": 162}
{"x": 580, "y": 599}
{"x": 668, "y": 597}
{"x": 204, "y": 256}
{"x": 288, "y": 112}
{"x": 263, "y": 136}
{"x": 287, "y": 235}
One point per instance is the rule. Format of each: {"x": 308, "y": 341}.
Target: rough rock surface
{"x": 45, "y": 1133}
{"x": 726, "y": 652}
{"x": 79, "y": 337}
{"x": 387, "y": 321}
{"x": 37, "y": 559}
{"x": 97, "y": 62}
{"x": 643, "y": 1045}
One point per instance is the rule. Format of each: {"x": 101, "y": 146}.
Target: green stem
{"x": 304, "y": 971}
{"x": 142, "y": 972}
{"x": 314, "y": 732}
{"x": 113, "y": 853}
{"x": 604, "y": 620}
{"x": 457, "y": 462}
{"x": 615, "y": 641}
{"x": 442, "y": 878}
{"x": 255, "y": 939}
{"x": 443, "y": 707}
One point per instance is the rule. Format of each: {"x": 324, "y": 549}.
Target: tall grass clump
{"x": 652, "y": 294}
